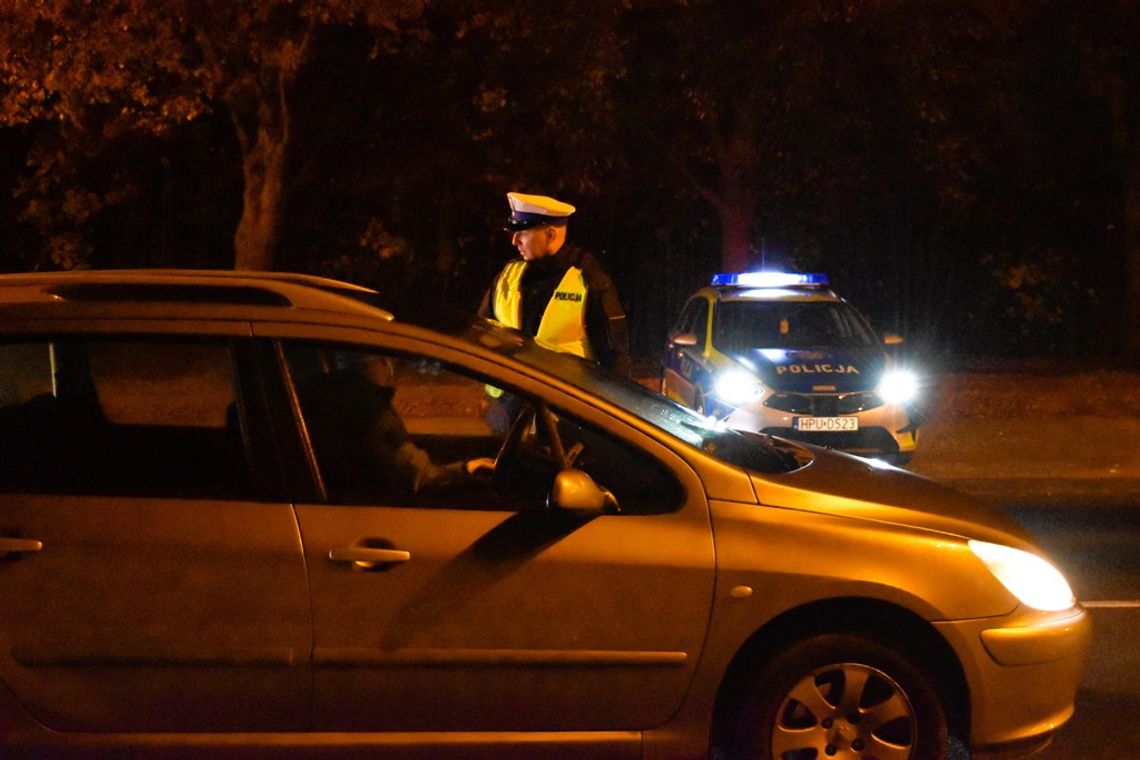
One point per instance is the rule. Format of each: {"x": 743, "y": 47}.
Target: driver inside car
{"x": 362, "y": 444}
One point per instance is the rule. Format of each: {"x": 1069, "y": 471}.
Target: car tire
{"x": 840, "y": 695}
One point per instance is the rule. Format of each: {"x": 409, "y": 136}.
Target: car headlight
{"x": 898, "y": 387}
{"x": 736, "y": 387}
{"x": 1032, "y": 580}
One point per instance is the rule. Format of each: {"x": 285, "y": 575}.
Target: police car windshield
{"x": 743, "y": 325}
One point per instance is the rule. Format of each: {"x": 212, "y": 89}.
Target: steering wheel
{"x": 508, "y": 456}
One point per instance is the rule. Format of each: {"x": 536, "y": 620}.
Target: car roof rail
{"x": 193, "y": 286}
{"x": 244, "y": 295}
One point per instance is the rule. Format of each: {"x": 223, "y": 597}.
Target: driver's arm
{"x": 413, "y": 466}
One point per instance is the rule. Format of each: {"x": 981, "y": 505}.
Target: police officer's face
{"x": 535, "y": 243}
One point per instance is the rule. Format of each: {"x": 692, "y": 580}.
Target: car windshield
{"x": 743, "y": 325}
{"x": 752, "y": 451}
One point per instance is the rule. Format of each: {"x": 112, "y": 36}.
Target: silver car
{"x": 257, "y": 513}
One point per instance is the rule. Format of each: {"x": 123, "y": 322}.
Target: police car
{"x": 781, "y": 353}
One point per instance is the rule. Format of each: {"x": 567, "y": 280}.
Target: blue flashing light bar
{"x": 768, "y": 279}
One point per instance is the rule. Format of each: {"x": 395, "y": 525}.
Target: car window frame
{"x": 298, "y": 457}
{"x": 266, "y": 484}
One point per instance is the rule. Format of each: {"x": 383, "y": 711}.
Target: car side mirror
{"x": 892, "y": 339}
{"x": 575, "y": 490}
{"x": 684, "y": 339}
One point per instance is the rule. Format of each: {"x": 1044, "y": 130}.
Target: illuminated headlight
{"x": 736, "y": 387}
{"x": 898, "y": 387}
{"x": 1032, "y": 580}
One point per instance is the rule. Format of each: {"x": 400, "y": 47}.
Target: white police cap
{"x": 535, "y": 211}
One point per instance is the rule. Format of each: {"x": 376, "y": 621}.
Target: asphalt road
{"x": 1075, "y": 485}
{"x": 1098, "y": 548}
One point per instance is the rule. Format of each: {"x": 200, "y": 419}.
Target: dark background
{"x": 967, "y": 173}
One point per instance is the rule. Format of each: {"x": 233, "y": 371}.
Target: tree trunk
{"x": 736, "y": 222}
{"x": 737, "y": 201}
{"x": 259, "y": 230}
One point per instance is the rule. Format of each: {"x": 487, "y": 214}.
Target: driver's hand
{"x": 480, "y": 467}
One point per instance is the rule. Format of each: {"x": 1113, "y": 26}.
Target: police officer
{"x": 557, "y": 292}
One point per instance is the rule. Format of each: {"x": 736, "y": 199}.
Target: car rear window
{"x": 155, "y": 417}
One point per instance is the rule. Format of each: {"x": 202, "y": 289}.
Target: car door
{"x": 150, "y": 582}
{"x": 481, "y": 609}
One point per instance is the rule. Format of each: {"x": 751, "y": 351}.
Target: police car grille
{"x": 823, "y": 405}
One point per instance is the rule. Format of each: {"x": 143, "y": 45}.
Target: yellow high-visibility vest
{"x": 563, "y": 324}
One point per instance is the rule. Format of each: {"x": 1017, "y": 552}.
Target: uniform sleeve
{"x": 485, "y": 310}
{"x": 605, "y": 321}
{"x": 487, "y": 305}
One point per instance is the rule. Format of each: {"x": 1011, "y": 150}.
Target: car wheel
{"x": 841, "y": 696}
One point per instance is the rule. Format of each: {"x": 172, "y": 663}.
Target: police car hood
{"x": 800, "y": 370}
{"x": 842, "y": 485}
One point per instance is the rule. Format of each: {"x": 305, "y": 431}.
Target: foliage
{"x": 1031, "y": 304}
{"x": 432, "y": 159}
{"x": 968, "y": 172}
{"x": 108, "y": 69}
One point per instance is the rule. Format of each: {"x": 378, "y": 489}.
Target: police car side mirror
{"x": 576, "y": 491}
{"x": 892, "y": 339}
{"x": 684, "y": 339}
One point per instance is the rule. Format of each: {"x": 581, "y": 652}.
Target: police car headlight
{"x": 737, "y": 387}
{"x": 898, "y": 387}
{"x": 1032, "y": 580}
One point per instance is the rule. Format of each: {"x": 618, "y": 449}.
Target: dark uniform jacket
{"x": 605, "y": 318}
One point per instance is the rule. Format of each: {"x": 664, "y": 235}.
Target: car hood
{"x": 839, "y": 484}
{"x": 802, "y": 370}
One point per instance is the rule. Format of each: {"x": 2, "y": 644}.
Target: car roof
{"x": 784, "y": 293}
{"x": 183, "y": 292}
{"x": 151, "y": 296}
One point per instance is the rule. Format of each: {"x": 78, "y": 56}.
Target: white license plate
{"x": 825, "y": 424}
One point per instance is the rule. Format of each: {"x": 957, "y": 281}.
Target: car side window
{"x": 153, "y": 417}
{"x": 641, "y": 483}
{"x": 392, "y": 429}
{"x": 701, "y": 321}
{"x": 694, "y": 319}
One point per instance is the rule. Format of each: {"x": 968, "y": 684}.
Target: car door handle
{"x": 19, "y": 545}
{"x": 363, "y": 556}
